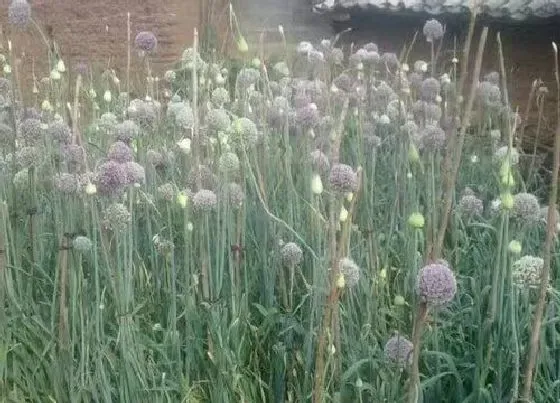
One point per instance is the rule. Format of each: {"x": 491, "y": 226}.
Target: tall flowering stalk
{"x": 550, "y": 237}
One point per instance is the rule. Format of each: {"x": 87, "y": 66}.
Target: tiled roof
{"x": 515, "y": 9}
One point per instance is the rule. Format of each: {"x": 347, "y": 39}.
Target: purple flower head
{"x": 120, "y": 152}
{"x": 66, "y": 183}
{"x": 126, "y": 131}
{"x": 135, "y": 173}
{"x": 31, "y": 131}
{"x": 343, "y": 179}
{"x": 436, "y": 284}
{"x": 110, "y": 178}
{"x": 146, "y": 41}
{"x": 204, "y": 200}
{"x": 19, "y": 13}
{"x": 60, "y": 132}
{"x": 398, "y": 350}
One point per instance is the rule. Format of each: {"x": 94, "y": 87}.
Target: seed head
{"x": 203, "y": 174}
{"x": 436, "y": 284}
{"x": 391, "y": 60}
{"x": 430, "y": 89}
{"x": 398, "y": 350}
{"x": 307, "y": 116}
{"x": 82, "y": 244}
{"x": 127, "y": 131}
{"x": 229, "y": 164}
{"x": 243, "y": 133}
{"x": 59, "y": 131}
{"x": 343, "y": 179}
{"x": 336, "y": 56}
{"x": 218, "y": 119}
{"x": 526, "y": 207}
{"x": 31, "y": 131}
{"x": 204, "y": 200}
{"x": 135, "y": 173}
{"x": 432, "y": 138}
{"x": 433, "y": 30}
{"x": 233, "y": 194}
{"x": 74, "y": 155}
{"x": 220, "y": 97}
{"x": 247, "y": 76}
{"x": 470, "y": 205}
{"x": 320, "y": 162}
{"x": 489, "y": 94}
{"x": 28, "y": 156}
{"x": 166, "y": 191}
{"x": 351, "y": 272}
{"x": 110, "y": 178}
{"x": 116, "y": 217}
{"x": 146, "y": 41}
{"x": 526, "y": 271}
{"x": 66, "y": 183}
{"x": 291, "y": 254}
{"x": 19, "y": 13}
{"x": 120, "y": 152}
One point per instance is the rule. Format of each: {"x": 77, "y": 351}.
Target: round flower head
{"x": 398, "y": 350}
{"x": 110, "y": 178}
{"x": 470, "y": 205}
{"x": 119, "y": 152}
{"x": 29, "y": 156}
{"x": 59, "y": 131}
{"x": 135, "y": 173}
{"x": 335, "y": 56}
{"x": 116, "y": 217}
{"x": 142, "y": 112}
{"x": 204, "y": 200}
{"x": 432, "y": 138}
{"x": 166, "y": 191}
{"x": 350, "y": 270}
{"x": 430, "y": 89}
{"x": 243, "y": 133}
{"x": 489, "y": 94}
{"x": 74, "y": 155}
{"x": 433, "y": 30}
{"x": 291, "y": 254}
{"x": 203, "y": 175}
{"x": 233, "y": 194}
{"x": 526, "y": 207}
{"x": 82, "y": 244}
{"x": 146, "y": 41}
{"x": 436, "y": 284}
{"x": 19, "y": 13}
{"x": 343, "y": 179}
{"x": 127, "y": 131}
{"x": 155, "y": 158}
{"x": 493, "y": 77}
{"x": 501, "y": 154}
{"x": 229, "y": 164}
{"x": 320, "y": 162}
{"x": 31, "y": 131}
{"x": 526, "y": 271}
{"x": 66, "y": 183}
{"x": 220, "y": 97}
{"x": 247, "y": 76}
{"x": 391, "y": 60}
{"x": 307, "y": 116}
{"x": 218, "y": 119}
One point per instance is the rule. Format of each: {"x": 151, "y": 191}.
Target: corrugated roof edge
{"x": 515, "y": 10}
